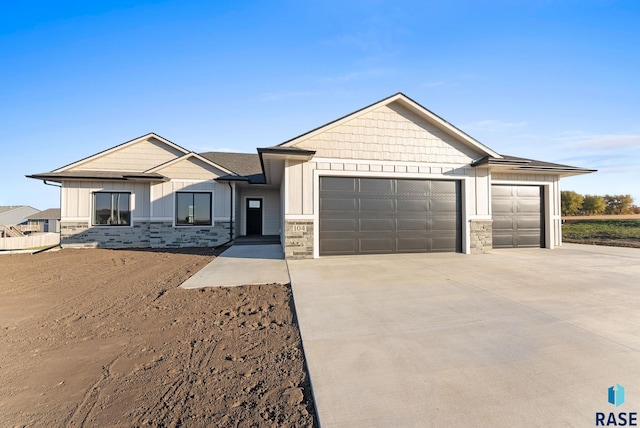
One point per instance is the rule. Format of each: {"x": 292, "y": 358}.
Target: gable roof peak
{"x": 407, "y": 102}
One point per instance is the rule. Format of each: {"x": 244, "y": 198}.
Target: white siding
{"x": 271, "y": 209}
{"x": 191, "y": 169}
{"x": 136, "y": 157}
{"x": 77, "y": 203}
{"x": 391, "y": 133}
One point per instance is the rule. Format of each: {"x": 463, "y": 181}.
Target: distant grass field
{"x": 604, "y": 232}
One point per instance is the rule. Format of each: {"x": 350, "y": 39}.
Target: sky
{"x": 552, "y": 80}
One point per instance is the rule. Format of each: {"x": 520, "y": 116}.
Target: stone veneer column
{"x": 481, "y": 236}
{"x": 298, "y": 239}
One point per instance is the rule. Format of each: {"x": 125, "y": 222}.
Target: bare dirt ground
{"x": 104, "y": 338}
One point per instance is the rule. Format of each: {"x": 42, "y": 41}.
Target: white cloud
{"x": 580, "y": 140}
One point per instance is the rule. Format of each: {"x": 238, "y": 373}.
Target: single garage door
{"x": 517, "y": 216}
{"x": 385, "y": 215}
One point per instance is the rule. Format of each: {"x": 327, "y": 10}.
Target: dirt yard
{"x": 105, "y": 338}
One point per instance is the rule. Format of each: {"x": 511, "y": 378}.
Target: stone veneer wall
{"x": 298, "y": 239}
{"x": 142, "y": 234}
{"x": 481, "y": 236}
{"x": 164, "y": 235}
{"x": 78, "y": 234}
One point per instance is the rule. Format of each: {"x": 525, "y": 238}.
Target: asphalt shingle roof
{"x": 244, "y": 164}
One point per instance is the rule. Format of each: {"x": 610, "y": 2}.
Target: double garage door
{"x": 518, "y": 219}
{"x": 387, "y": 215}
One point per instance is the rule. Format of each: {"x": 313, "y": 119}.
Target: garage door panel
{"x": 336, "y": 246}
{"x": 413, "y": 186}
{"x": 391, "y": 215}
{"x": 529, "y": 207}
{"x": 338, "y": 225}
{"x": 335, "y": 204}
{"x": 409, "y": 205}
{"x": 441, "y": 224}
{"x": 377, "y": 204}
{"x": 532, "y": 192}
{"x": 382, "y": 185}
{"x": 448, "y": 206}
{"x": 443, "y": 187}
{"x": 376, "y": 245}
{"x": 517, "y": 216}
{"x": 528, "y": 223}
{"x": 412, "y": 245}
{"x": 377, "y": 225}
{"x": 340, "y": 184}
{"x": 406, "y": 224}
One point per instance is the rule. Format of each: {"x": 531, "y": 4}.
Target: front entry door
{"x": 254, "y": 216}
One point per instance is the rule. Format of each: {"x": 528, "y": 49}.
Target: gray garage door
{"x": 517, "y": 216}
{"x": 384, "y": 215}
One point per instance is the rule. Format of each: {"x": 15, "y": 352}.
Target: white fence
{"x": 35, "y": 240}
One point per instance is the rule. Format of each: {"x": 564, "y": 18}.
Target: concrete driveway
{"x": 526, "y": 337}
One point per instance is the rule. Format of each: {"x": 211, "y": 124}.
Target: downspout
{"x": 230, "y": 211}
{"x": 59, "y": 221}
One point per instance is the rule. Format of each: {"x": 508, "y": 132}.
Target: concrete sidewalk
{"x": 523, "y": 337}
{"x": 243, "y": 265}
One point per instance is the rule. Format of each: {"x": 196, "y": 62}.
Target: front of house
{"x": 390, "y": 178}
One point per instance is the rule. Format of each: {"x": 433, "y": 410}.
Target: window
{"x": 111, "y": 209}
{"x": 193, "y": 209}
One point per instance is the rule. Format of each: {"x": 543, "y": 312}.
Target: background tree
{"x": 618, "y": 204}
{"x": 593, "y": 204}
{"x": 571, "y": 202}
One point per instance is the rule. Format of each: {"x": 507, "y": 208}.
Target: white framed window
{"x": 193, "y": 209}
{"x": 112, "y": 209}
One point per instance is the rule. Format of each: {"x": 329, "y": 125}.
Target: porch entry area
{"x": 254, "y": 216}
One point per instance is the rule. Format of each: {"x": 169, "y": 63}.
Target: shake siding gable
{"x": 390, "y": 133}
{"x": 137, "y": 157}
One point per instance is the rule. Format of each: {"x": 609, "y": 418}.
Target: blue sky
{"x": 555, "y": 80}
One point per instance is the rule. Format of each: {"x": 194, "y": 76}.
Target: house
{"x": 45, "y": 221}
{"x": 13, "y": 220}
{"x": 11, "y": 215}
{"x": 392, "y": 177}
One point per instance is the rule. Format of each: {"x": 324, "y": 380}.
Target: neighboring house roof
{"x": 104, "y": 175}
{"x": 48, "y": 214}
{"x": 15, "y": 214}
{"x": 523, "y": 164}
{"x": 407, "y": 102}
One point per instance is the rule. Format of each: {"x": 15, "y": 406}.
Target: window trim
{"x": 175, "y": 208}
{"x": 111, "y": 192}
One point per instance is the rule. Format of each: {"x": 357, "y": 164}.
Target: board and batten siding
{"x": 77, "y": 195}
{"x": 163, "y": 197}
{"x": 137, "y": 157}
{"x": 390, "y": 133}
{"x": 271, "y": 208}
